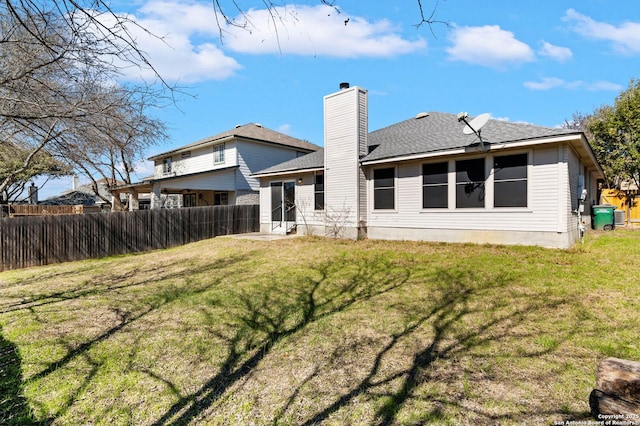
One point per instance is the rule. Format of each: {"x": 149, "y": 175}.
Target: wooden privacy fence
{"x": 629, "y": 204}
{"x": 44, "y": 210}
{"x": 34, "y": 241}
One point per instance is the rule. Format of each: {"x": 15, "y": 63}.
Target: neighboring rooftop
{"x": 248, "y": 131}
{"x": 83, "y": 194}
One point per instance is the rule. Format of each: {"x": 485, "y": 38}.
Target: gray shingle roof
{"x": 315, "y": 160}
{"x": 436, "y": 132}
{"x": 440, "y": 131}
{"x": 249, "y": 131}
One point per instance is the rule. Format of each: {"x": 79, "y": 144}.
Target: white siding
{"x": 545, "y": 199}
{"x": 345, "y": 119}
{"x": 309, "y": 221}
{"x": 265, "y": 205}
{"x": 200, "y": 160}
{"x": 574, "y": 169}
{"x": 363, "y": 147}
{"x": 220, "y": 181}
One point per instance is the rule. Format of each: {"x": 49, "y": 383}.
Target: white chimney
{"x": 345, "y": 143}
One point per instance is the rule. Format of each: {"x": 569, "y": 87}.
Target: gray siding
{"x": 253, "y": 157}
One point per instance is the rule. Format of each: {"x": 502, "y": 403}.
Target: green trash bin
{"x": 603, "y": 218}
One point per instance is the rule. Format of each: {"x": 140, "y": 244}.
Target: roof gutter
{"x": 287, "y": 172}
{"x": 491, "y": 147}
{"x": 224, "y": 139}
{"x": 191, "y": 147}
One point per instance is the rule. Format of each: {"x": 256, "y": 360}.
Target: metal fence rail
{"x": 41, "y": 240}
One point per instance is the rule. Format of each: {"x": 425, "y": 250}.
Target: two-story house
{"x": 216, "y": 170}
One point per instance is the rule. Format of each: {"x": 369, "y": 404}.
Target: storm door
{"x": 283, "y": 206}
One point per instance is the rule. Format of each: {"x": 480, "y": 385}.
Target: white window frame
{"x": 448, "y": 162}
{"x": 218, "y": 154}
{"x": 316, "y": 192}
{"x": 488, "y": 183}
{"x": 167, "y": 166}
{"x": 491, "y": 180}
{"x": 395, "y": 189}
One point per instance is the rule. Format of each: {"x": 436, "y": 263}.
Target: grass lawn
{"x": 307, "y": 331}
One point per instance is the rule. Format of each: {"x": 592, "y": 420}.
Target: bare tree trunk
{"x": 27, "y": 162}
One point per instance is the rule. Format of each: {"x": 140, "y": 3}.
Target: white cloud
{"x": 183, "y": 45}
{"x": 545, "y": 84}
{"x": 549, "y": 83}
{"x": 624, "y": 37}
{"x": 284, "y": 128}
{"x": 318, "y": 31}
{"x": 507, "y": 119}
{"x": 143, "y": 169}
{"x": 604, "y": 86}
{"x": 182, "y": 38}
{"x": 558, "y": 53}
{"x": 488, "y": 46}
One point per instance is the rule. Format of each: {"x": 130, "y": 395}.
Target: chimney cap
{"x": 344, "y": 85}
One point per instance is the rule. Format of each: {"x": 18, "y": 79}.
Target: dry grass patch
{"x": 311, "y": 330}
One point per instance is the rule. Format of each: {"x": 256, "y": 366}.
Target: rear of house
{"x": 424, "y": 179}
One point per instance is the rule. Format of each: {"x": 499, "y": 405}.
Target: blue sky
{"x": 523, "y": 61}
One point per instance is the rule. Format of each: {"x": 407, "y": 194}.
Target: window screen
{"x": 384, "y": 188}
{"x": 510, "y": 181}
{"x": 470, "y": 183}
{"x": 318, "y": 191}
{"x": 435, "y": 192}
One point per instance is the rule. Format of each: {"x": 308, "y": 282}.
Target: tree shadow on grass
{"x": 451, "y": 339}
{"x": 115, "y": 281}
{"x": 264, "y": 318}
{"x": 125, "y": 316}
{"x": 14, "y": 409}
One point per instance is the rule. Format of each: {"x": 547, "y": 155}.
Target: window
{"x": 510, "y": 181}
{"x": 189, "y": 200}
{"x": 384, "y": 188}
{"x": 218, "y": 154}
{"x": 221, "y": 199}
{"x": 166, "y": 165}
{"x": 318, "y": 192}
{"x": 435, "y": 179}
{"x": 470, "y": 183}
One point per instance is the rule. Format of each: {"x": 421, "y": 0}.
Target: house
{"x": 216, "y": 170}
{"x": 426, "y": 178}
{"x": 84, "y": 195}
